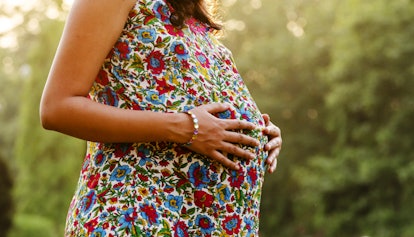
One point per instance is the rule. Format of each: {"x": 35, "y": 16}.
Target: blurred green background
{"x": 335, "y": 75}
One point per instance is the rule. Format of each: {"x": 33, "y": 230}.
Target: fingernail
{"x": 237, "y": 167}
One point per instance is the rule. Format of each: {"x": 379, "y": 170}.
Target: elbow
{"x": 47, "y": 116}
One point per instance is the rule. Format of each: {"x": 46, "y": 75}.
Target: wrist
{"x": 181, "y": 128}
{"x": 195, "y": 128}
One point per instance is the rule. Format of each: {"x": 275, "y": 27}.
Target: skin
{"x": 65, "y": 107}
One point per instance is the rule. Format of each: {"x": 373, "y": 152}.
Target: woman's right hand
{"x": 217, "y": 137}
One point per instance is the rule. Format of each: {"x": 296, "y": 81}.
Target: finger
{"x": 272, "y": 156}
{"x": 266, "y": 118}
{"x": 235, "y": 124}
{"x": 214, "y": 108}
{"x": 273, "y": 166}
{"x": 272, "y": 131}
{"x": 224, "y": 160}
{"x": 240, "y": 138}
{"x": 237, "y": 151}
{"x": 273, "y": 144}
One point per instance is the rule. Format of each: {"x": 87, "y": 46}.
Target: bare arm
{"x": 91, "y": 30}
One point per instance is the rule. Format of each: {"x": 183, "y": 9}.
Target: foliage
{"x": 337, "y": 78}
{"x": 46, "y": 164}
{"x": 289, "y": 45}
{"x": 370, "y": 105}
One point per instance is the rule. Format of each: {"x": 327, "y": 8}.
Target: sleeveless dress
{"x": 162, "y": 188}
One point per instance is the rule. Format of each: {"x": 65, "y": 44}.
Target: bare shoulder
{"x": 102, "y": 9}
{"x": 92, "y": 28}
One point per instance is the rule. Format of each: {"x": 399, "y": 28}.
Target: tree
{"x": 370, "y": 107}
{"x": 47, "y": 163}
{"x": 284, "y": 48}
{"x": 336, "y": 77}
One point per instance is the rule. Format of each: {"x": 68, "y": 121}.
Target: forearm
{"x": 82, "y": 118}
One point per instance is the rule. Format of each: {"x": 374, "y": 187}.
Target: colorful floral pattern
{"x": 160, "y": 188}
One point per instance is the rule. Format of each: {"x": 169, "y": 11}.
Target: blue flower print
{"x": 146, "y": 35}
{"x": 198, "y": 175}
{"x": 174, "y": 203}
{"x": 99, "y": 232}
{"x": 250, "y": 225}
{"x": 118, "y": 73}
{"x": 144, "y": 155}
{"x": 224, "y": 115}
{"x": 205, "y": 224}
{"x": 120, "y": 173}
{"x": 245, "y": 114}
{"x": 180, "y": 50}
{"x": 223, "y": 194}
{"x": 161, "y": 11}
{"x": 103, "y": 215}
{"x": 149, "y": 212}
{"x": 109, "y": 97}
{"x": 99, "y": 158}
{"x": 88, "y": 201}
{"x": 127, "y": 218}
{"x": 155, "y": 98}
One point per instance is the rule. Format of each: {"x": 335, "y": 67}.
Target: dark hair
{"x": 184, "y": 9}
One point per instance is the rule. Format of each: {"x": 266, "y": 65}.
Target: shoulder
{"x": 102, "y": 8}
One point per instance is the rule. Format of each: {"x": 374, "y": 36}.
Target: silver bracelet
{"x": 195, "y": 125}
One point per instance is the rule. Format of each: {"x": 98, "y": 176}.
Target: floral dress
{"x": 162, "y": 188}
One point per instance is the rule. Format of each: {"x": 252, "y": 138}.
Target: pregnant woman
{"x": 176, "y": 144}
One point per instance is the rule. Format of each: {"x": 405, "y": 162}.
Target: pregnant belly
{"x": 246, "y": 109}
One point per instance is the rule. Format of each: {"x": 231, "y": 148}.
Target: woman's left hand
{"x": 274, "y": 144}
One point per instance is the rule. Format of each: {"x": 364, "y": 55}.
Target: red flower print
{"x": 164, "y": 163}
{"x": 252, "y": 173}
{"x": 191, "y": 91}
{"x": 118, "y": 185}
{"x": 102, "y": 78}
{"x": 231, "y": 224}
{"x": 121, "y": 150}
{"x": 123, "y": 49}
{"x": 169, "y": 189}
{"x": 142, "y": 177}
{"x": 186, "y": 65}
{"x": 90, "y": 225}
{"x": 166, "y": 172}
{"x": 155, "y": 62}
{"x": 172, "y": 30}
{"x": 179, "y": 49}
{"x": 161, "y": 11}
{"x": 163, "y": 87}
{"x": 94, "y": 180}
{"x": 229, "y": 208}
{"x": 203, "y": 199}
{"x": 105, "y": 225}
{"x": 149, "y": 212}
{"x": 99, "y": 158}
{"x": 148, "y": 19}
{"x": 236, "y": 178}
{"x": 180, "y": 229}
{"x": 196, "y": 26}
{"x": 202, "y": 59}
{"x": 181, "y": 182}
